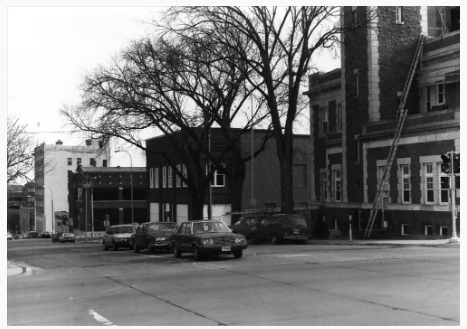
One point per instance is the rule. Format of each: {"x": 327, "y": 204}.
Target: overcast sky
{"x": 50, "y": 49}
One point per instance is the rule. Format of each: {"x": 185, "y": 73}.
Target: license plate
{"x": 296, "y": 231}
{"x": 226, "y": 248}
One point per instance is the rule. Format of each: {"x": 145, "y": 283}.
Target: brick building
{"x": 353, "y": 120}
{"x": 96, "y": 194}
{"x": 168, "y": 196}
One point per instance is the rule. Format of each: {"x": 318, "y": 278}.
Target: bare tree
{"x": 19, "y": 151}
{"x": 281, "y": 42}
{"x": 183, "y": 89}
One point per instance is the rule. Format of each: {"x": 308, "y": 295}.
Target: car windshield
{"x": 290, "y": 221}
{"x": 67, "y": 234}
{"x": 161, "y": 227}
{"x": 124, "y": 229}
{"x": 207, "y": 227}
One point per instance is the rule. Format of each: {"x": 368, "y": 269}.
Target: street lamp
{"x": 52, "y": 201}
{"x": 131, "y": 182}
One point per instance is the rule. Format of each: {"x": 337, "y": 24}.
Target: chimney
{"x": 314, "y": 79}
{"x": 59, "y": 142}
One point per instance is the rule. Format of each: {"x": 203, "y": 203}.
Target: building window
{"x": 178, "y": 178}
{"x": 429, "y": 184}
{"x": 169, "y": 173}
{"x": 70, "y": 161}
{"x": 443, "y": 230}
{"x": 323, "y": 120}
{"x": 399, "y": 15}
{"x": 385, "y": 188}
{"x": 151, "y": 177}
{"x": 164, "y": 177}
{"x": 441, "y": 94}
{"x": 78, "y": 161}
{"x": 405, "y": 176}
{"x": 184, "y": 175}
{"x": 156, "y": 177}
{"x": 299, "y": 175}
{"x": 339, "y": 117}
{"x": 104, "y": 163}
{"x": 428, "y": 230}
{"x": 428, "y": 98}
{"x": 357, "y": 149}
{"x": 354, "y": 14}
{"x": 355, "y": 80}
{"x": 445, "y": 187}
{"x": 337, "y": 185}
{"x": 92, "y": 162}
{"x": 404, "y": 229}
{"x": 324, "y": 186}
{"x": 218, "y": 179}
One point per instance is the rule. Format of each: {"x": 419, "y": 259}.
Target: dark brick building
{"x": 353, "y": 120}
{"x": 97, "y": 194}
{"x": 168, "y": 196}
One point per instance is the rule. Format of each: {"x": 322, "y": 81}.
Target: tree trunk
{"x": 286, "y": 184}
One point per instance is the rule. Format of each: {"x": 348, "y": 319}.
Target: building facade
{"x": 97, "y": 195}
{"x": 169, "y": 198}
{"x": 354, "y": 116}
{"x": 52, "y": 163}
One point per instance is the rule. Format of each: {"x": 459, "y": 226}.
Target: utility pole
{"x": 454, "y": 238}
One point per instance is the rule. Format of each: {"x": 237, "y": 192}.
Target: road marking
{"x": 100, "y": 318}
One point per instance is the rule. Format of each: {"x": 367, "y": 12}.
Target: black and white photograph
{"x": 214, "y": 164}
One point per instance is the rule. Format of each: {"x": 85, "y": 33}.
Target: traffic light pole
{"x": 454, "y": 238}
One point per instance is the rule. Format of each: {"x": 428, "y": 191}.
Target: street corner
{"x": 20, "y": 269}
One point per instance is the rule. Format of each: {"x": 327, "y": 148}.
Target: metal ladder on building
{"x": 401, "y": 114}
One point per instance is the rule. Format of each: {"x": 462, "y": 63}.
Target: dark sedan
{"x": 207, "y": 237}
{"x": 153, "y": 235}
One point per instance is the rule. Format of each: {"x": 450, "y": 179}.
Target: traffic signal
{"x": 446, "y": 165}
{"x": 457, "y": 163}
{"x": 65, "y": 219}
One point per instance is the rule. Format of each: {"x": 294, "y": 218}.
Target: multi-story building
{"x": 354, "y": 116}
{"x": 100, "y": 194}
{"x": 52, "y": 163}
{"x": 169, "y": 198}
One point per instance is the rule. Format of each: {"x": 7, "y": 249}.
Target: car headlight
{"x": 161, "y": 239}
{"x": 207, "y": 241}
{"x": 240, "y": 240}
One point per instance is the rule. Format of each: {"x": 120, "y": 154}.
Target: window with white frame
{"x": 164, "y": 177}
{"x": 151, "y": 182}
{"x": 406, "y": 186}
{"x": 429, "y": 184}
{"x": 156, "y": 177}
{"x": 218, "y": 178}
{"x": 323, "y": 120}
{"x": 324, "y": 186}
{"x": 445, "y": 187}
{"x": 339, "y": 117}
{"x": 178, "y": 178}
{"x": 441, "y": 98}
{"x": 385, "y": 188}
{"x": 399, "y": 15}
{"x": 169, "y": 174}
{"x": 337, "y": 186}
{"x": 185, "y": 175}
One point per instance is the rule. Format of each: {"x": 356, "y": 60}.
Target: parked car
{"x": 246, "y": 224}
{"x": 67, "y": 237}
{"x": 278, "y": 228}
{"x": 31, "y": 235}
{"x": 207, "y": 237}
{"x": 153, "y": 235}
{"x": 118, "y": 236}
{"x": 9, "y": 236}
{"x": 44, "y": 235}
{"x": 56, "y": 237}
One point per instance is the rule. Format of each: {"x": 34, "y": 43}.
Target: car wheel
{"x": 176, "y": 251}
{"x": 149, "y": 248}
{"x": 135, "y": 248}
{"x": 238, "y": 254}
{"x": 254, "y": 239}
{"x": 114, "y": 246}
{"x": 275, "y": 239}
{"x": 196, "y": 254}
{"x": 105, "y": 246}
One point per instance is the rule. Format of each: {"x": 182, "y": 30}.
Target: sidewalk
{"x": 428, "y": 243}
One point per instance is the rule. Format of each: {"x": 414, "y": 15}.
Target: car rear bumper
{"x": 161, "y": 245}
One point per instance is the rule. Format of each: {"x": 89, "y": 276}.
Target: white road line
{"x": 100, "y": 318}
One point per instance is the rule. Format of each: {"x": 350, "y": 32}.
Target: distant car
{"x": 9, "y": 236}
{"x": 45, "y": 235}
{"x": 278, "y": 228}
{"x": 67, "y": 237}
{"x": 153, "y": 235}
{"x": 31, "y": 235}
{"x": 207, "y": 237}
{"x": 56, "y": 237}
{"x": 118, "y": 236}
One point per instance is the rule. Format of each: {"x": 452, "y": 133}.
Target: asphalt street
{"x": 313, "y": 284}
